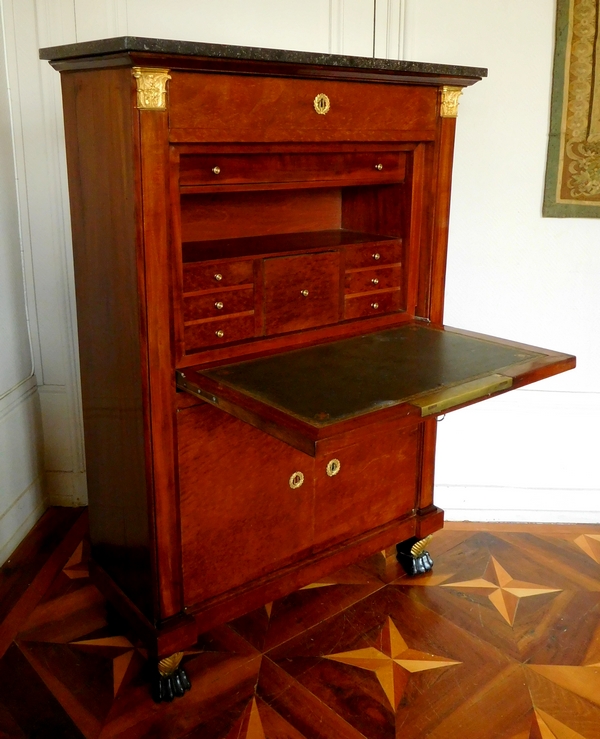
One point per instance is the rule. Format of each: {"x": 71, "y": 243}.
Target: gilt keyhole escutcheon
{"x": 322, "y": 104}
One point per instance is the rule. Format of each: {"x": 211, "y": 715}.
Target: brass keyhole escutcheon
{"x": 296, "y": 480}
{"x": 216, "y": 170}
{"x": 322, "y": 104}
{"x": 333, "y": 467}
{"x": 304, "y": 293}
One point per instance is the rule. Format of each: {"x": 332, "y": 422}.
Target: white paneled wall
{"x": 528, "y": 456}
{"x": 21, "y": 493}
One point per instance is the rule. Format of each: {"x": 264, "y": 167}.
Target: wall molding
{"x": 336, "y": 26}
{"x": 388, "y": 29}
{"x": 32, "y": 497}
{"x": 17, "y": 395}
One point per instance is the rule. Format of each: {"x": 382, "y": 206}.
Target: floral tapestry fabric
{"x": 573, "y": 167}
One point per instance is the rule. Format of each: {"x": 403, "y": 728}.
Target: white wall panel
{"x": 22, "y": 498}
{"x": 512, "y": 273}
{"x": 15, "y": 356}
{"x": 43, "y": 205}
{"x": 106, "y": 19}
{"x": 340, "y": 26}
{"x": 527, "y": 455}
{"x": 389, "y": 29}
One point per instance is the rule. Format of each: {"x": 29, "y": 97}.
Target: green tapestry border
{"x": 552, "y": 206}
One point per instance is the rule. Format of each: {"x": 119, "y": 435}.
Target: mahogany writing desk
{"x": 260, "y": 245}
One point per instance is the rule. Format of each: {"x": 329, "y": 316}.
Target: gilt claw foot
{"x": 413, "y": 556}
{"x": 170, "y": 681}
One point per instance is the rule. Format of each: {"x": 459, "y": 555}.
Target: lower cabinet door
{"x": 246, "y": 501}
{"x": 365, "y": 485}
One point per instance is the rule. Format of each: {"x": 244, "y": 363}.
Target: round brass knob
{"x": 379, "y": 167}
{"x": 304, "y": 292}
{"x": 218, "y": 277}
{"x": 219, "y": 305}
{"x": 220, "y": 333}
{"x": 333, "y": 467}
{"x": 374, "y": 306}
{"x": 377, "y": 256}
{"x": 375, "y": 281}
{"x": 296, "y": 480}
{"x": 216, "y": 170}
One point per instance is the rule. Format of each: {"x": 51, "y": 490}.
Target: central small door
{"x": 301, "y": 292}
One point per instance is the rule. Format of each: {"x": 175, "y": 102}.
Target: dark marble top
{"x": 222, "y": 51}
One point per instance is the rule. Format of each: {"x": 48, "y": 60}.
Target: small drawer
{"x": 215, "y": 304}
{"x": 372, "y": 304}
{"x": 301, "y": 292}
{"x": 372, "y": 255}
{"x": 209, "y": 333}
{"x": 372, "y": 279}
{"x": 199, "y": 276}
{"x": 228, "y": 169}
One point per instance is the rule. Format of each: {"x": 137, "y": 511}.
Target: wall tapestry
{"x": 573, "y": 168}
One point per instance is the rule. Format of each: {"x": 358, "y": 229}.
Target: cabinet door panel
{"x": 376, "y": 483}
{"x": 240, "y": 518}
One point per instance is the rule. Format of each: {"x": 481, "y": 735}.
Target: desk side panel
{"x": 99, "y": 129}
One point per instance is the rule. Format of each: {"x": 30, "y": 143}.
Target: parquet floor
{"x": 501, "y": 641}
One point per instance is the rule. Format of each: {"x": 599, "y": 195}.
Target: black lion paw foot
{"x": 413, "y": 556}
{"x": 170, "y": 681}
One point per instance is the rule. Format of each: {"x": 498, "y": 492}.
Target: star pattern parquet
{"x": 500, "y": 641}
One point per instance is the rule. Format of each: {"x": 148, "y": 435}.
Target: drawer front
{"x": 199, "y": 276}
{"x": 209, "y": 333}
{"x": 222, "y": 107}
{"x": 372, "y": 279}
{"x": 216, "y": 304}
{"x": 301, "y": 292}
{"x": 372, "y": 304}
{"x": 372, "y": 255}
{"x": 240, "y": 518}
{"x": 375, "y": 484}
{"x": 227, "y": 169}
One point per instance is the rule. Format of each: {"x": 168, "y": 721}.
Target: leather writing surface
{"x": 327, "y": 383}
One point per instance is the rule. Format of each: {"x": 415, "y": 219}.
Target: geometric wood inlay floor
{"x": 500, "y": 641}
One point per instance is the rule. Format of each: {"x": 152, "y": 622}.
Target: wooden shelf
{"x": 278, "y": 244}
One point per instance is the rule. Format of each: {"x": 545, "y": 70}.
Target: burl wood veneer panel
{"x": 242, "y": 518}
{"x": 236, "y": 108}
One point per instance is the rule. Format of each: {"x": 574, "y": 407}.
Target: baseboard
{"x": 18, "y": 520}
{"x": 67, "y": 489}
{"x": 519, "y": 505}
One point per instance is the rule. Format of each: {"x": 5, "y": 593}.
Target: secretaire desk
{"x": 260, "y": 248}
